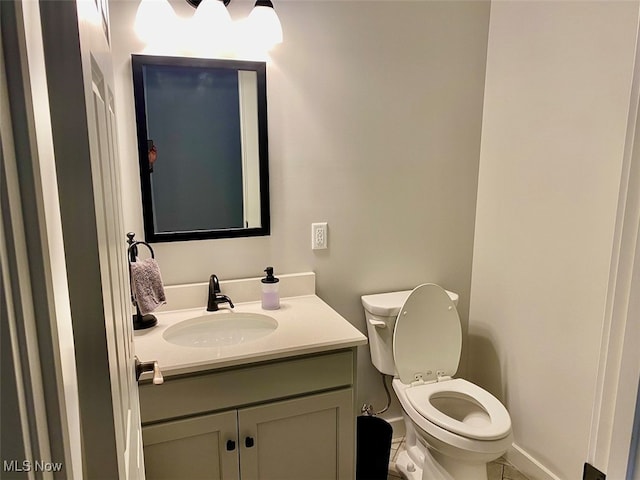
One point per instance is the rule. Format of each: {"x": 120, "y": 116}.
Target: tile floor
{"x": 498, "y": 470}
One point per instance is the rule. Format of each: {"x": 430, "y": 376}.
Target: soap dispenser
{"x": 270, "y": 295}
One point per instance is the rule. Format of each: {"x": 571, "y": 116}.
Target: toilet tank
{"x": 381, "y": 311}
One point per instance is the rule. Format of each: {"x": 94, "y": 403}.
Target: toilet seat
{"x": 420, "y": 397}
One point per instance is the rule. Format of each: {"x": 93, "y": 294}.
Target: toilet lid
{"x": 427, "y": 338}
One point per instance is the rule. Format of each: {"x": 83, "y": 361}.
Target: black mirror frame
{"x": 137, "y": 64}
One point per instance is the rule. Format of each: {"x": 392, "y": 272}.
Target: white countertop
{"x": 306, "y": 325}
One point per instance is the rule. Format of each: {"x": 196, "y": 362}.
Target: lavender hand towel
{"x": 146, "y": 285}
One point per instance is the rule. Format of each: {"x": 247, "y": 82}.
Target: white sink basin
{"x": 220, "y": 330}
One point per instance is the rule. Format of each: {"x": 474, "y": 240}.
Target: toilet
{"x": 453, "y": 427}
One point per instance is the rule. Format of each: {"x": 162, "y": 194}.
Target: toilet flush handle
{"x": 377, "y": 323}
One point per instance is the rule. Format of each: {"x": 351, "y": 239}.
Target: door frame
{"x": 615, "y": 425}
{"x": 33, "y": 258}
{"x": 50, "y": 267}
{"x": 61, "y": 28}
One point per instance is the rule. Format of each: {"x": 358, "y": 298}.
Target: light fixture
{"x": 262, "y": 24}
{"x": 210, "y": 32}
{"x": 155, "y": 19}
{"x": 264, "y": 20}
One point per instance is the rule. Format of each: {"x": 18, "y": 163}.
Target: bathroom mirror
{"x": 202, "y": 147}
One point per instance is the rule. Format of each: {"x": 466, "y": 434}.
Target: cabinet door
{"x": 309, "y": 438}
{"x": 203, "y": 447}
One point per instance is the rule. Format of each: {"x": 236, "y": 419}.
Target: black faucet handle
{"x": 214, "y": 284}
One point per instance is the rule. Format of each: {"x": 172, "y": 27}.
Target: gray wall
{"x": 553, "y": 139}
{"x": 375, "y": 112}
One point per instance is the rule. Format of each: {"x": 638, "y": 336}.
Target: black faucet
{"x": 214, "y": 295}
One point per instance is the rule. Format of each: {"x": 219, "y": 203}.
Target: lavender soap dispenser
{"x": 270, "y": 295}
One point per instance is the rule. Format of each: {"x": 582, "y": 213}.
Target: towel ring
{"x": 133, "y": 247}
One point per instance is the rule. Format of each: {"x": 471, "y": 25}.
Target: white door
{"x": 74, "y": 52}
{"x": 113, "y": 272}
{"x": 112, "y": 310}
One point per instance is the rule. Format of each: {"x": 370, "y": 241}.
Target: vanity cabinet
{"x": 280, "y": 420}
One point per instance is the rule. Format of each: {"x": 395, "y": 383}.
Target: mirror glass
{"x": 202, "y": 147}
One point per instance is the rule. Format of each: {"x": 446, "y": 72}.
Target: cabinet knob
{"x": 248, "y": 442}
{"x": 231, "y": 445}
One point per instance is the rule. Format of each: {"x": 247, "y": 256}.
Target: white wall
{"x": 374, "y": 127}
{"x": 555, "y": 111}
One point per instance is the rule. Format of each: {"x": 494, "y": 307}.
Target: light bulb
{"x": 211, "y": 27}
{"x": 265, "y": 24}
{"x": 212, "y": 15}
{"x": 155, "y": 19}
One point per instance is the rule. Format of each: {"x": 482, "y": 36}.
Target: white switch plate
{"x": 318, "y": 236}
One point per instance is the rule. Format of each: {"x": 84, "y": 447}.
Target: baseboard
{"x": 528, "y": 465}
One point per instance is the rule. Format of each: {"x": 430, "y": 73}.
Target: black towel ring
{"x": 133, "y": 247}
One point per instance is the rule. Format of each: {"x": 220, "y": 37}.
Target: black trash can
{"x": 373, "y": 447}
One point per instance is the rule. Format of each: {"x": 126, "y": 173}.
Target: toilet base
{"x": 407, "y": 467}
{"x": 416, "y": 462}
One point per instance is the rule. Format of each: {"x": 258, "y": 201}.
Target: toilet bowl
{"x": 453, "y": 427}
